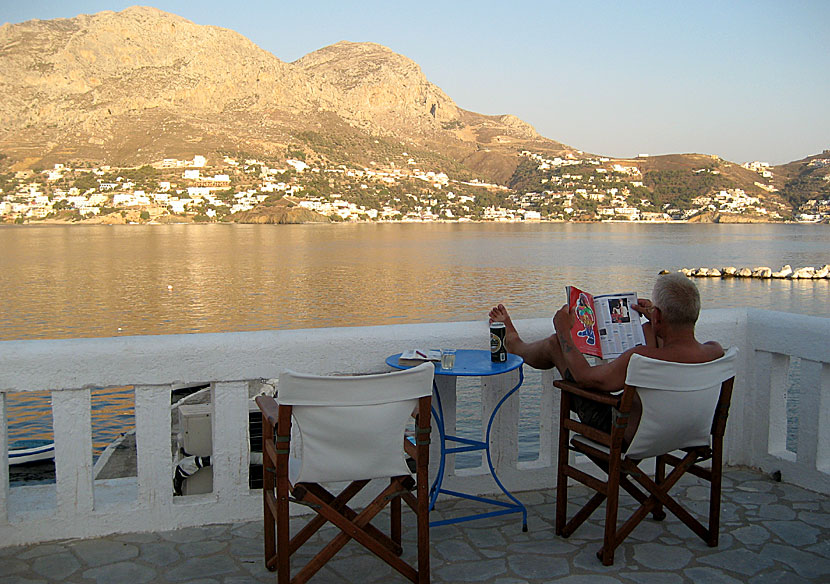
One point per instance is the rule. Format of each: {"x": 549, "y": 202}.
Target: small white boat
{"x": 23, "y": 451}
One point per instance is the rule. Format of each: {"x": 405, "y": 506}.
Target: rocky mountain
{"x": 132, "y": 87}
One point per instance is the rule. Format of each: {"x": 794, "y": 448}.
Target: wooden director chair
{"x": 684, "y": 408}
{"x": 347, "y": 429}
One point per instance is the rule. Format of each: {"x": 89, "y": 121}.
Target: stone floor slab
{"x": 771, "y": 532}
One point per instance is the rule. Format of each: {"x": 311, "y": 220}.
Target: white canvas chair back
{"x": 352, "y": 428}
{"x": 679, "y": 401}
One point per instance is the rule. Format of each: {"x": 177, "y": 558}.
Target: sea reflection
{"x": 113, "y": 413}
{"x": 103, "y": 281}
{"x": 83, "y": 281}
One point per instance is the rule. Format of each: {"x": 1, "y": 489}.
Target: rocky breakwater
{"x": 761, "y": 272}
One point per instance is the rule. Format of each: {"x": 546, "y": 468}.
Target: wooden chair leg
{"x": 269, "y": 506}
{"x": 268, "y": 497}
{"x": 278, "y": 450}
{"x": 283, "y": 535}
{"x": 422, "y": 520}
{"x": 561, "y": 464}
{"x": 715, "y": 495}
{"x": 395, "y": 519}
{"x": 356, "y": 529}
{"x": 561, "y": 502}
{"x": 659, "y": 477}
{"x": 609, "y": 544}
{"x": 269, "y": 526}
{"x": 422, "y": 423}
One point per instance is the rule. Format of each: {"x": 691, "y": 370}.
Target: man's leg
{"x": 590, "y": 412}
{"x": 546, "y": 354}
{"x": 537, "y": 354}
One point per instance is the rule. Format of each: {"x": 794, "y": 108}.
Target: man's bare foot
{"x": 537, "y": 354}
{"x": 499, "y": 314}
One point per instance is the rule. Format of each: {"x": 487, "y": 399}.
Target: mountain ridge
{"x": 133, "y": 87}
{"x": 127, "y": 87}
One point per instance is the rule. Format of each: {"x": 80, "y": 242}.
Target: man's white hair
{"x": 678, "y": 299}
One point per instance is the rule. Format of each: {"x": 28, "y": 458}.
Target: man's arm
{"x": 604, "y": 377}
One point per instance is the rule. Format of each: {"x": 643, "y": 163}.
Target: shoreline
{"x": 392, "y": 222}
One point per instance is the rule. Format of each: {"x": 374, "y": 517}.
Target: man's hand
{"x": 645, "y": 307}
{"x": 563, "y": 322}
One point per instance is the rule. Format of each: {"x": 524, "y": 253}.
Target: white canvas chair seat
{"x": 346, "y": 429}
{"x": 684, "y": 408}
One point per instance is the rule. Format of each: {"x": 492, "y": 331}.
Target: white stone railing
{"x": 79, "y": 506}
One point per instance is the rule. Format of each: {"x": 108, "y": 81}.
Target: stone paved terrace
{"x": 770, "y": 532}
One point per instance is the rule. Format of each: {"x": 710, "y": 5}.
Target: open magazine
{"x": 606, "y": 326}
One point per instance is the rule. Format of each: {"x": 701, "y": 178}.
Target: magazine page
{"x": 585, "y": 332}
{"x": 620, "y": 328}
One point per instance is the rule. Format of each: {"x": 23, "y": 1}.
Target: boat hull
{"x": 31, "y": 451}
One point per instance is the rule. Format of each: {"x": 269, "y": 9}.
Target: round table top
{"x": 468, "y": 362}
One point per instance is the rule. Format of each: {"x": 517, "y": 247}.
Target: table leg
{"x": 446, "y": 392}
{"x": 444, "y": 413}
{"x": 489, "y": 454}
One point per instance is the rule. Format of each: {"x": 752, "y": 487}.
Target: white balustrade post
{"x": 504, "y": 434}
{"x": 230, "y": 456}
{"x": 809, "y": 410}
{"x": 549, "y": 401}
{"x": 153, "y": 446}
{"x": 823, "y": 410}
{"x": 4, "y": 461}
{"x": 776, "y": 405}
{"x": 72, "y": 420}
{"x": 763, "y": 417}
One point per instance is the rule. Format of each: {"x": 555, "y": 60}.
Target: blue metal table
{"x": 471, "y": 363}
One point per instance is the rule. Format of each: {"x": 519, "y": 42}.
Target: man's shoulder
{"x": 703, "y": 353}
{"x": 716, "y": 347}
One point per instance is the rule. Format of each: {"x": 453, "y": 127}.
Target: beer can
{"x": 498, "y": 352}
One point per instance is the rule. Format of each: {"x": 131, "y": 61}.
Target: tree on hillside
{"x": 86, "y": 181}
{"x": 681, "y": 186}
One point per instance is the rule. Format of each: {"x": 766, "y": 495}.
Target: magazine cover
{"x": 585, "y": 332}
{"x": 605, "y": 326}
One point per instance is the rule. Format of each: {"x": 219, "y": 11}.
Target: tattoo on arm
{"x": 565, "y": 343}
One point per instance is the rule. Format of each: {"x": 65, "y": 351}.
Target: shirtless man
{"x": 669, "y": 332}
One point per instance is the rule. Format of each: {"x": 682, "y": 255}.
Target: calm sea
{"x": 103, "y": 281}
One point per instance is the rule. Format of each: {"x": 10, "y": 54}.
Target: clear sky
{"x": 746, "y": 80}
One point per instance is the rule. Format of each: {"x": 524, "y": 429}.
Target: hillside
{"x": 135, "y": 87}
{"x": 680, "y": 186}
{"x": 805, "y": 179}
{"x": 132, "y": 87}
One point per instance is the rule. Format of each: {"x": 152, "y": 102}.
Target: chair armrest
{"x": 595, "y": 395}
{"x": 268, "y": 407}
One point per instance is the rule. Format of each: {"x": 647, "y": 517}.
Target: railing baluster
{"x": 548, "y": 420}
{"x": 72, "y": 419}
{"x": 823, "y": 413}
{"x": 777, "y": 437}
{"x": 504, "y": 435}
{"x": 230, "y": 453}
{"x": 4, "y": 461}
{"x": 809, "y": 409}
{"x": 153, "y": 446}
